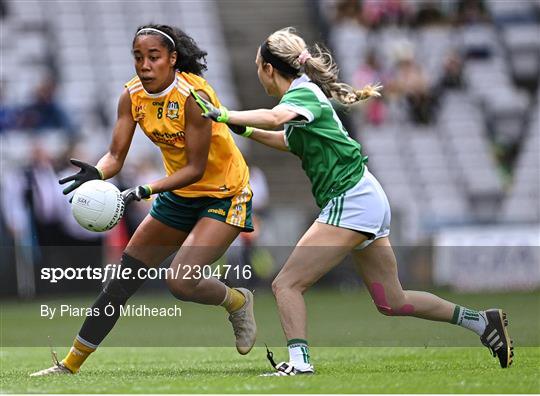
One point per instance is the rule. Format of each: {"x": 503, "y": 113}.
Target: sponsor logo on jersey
{"x": 172, "y": 110}
{"x": 220, "y": 212}
{"x": 168, "y": 137}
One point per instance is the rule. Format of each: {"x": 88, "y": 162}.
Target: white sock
{"x": 472, "y": 320}
{"x": 299, "y": 354}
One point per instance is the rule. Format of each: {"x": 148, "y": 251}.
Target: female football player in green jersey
{"x": 355, "y": 214}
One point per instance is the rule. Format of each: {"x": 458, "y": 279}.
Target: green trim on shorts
{"x": 183, "y": 213}
{"x": 334, "y": 216}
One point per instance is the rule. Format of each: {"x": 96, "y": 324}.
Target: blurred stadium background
{"x": 455, "y": 141}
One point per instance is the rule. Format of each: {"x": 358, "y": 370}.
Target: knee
{"x": 394, "y": 305}
{"x": 121, "y": 289}
{"x": 395, "y": 309}
{"x": 277, "y": 286}
{"x": 183, "y": 291}
{"x": 282, "y": 285}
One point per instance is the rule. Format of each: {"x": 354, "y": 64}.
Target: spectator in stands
{"x": 347, "y": 11}
{"x": 3, "y": 9}
{"x": 471, "y": 11}
{"x": 452, "y": 77}
{"x": 38, "y": 217}
{"x": 371, "y": 70}
{"x": 9, "y": 115}
{"x": 429, "y": 14}
{"x": 411, "y": 83}
{"x": 385, "y": 12}
{"x": 44, "y": 112}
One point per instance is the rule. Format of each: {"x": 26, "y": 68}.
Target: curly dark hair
{"x": 190, "y": 58}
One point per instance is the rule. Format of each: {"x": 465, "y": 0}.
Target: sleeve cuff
{"x": 298, "y": 110}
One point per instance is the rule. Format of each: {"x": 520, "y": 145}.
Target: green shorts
{"x": 183, "y": 213}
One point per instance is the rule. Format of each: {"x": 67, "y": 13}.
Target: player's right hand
{"x": 87, "y": 173}
{"x": 136, "y": 194}
{"x": 209, "y": 110}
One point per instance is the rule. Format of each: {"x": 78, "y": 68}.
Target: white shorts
{"x": 363, "y": 208}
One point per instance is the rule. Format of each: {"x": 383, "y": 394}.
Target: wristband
{"x": 100, "y": 173}
{"x": 224, "y": 116}
{"x": 148, "y": 190}
{"x": 248, "y": 132}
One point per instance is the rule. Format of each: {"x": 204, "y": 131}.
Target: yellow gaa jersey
{"x": 161, "y": 117}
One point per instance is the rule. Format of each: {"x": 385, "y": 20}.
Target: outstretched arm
{"x": 274, "y": 139}
{"x": 261, "y": 118}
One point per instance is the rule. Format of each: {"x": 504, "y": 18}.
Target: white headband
{"x": 157, "y": 31}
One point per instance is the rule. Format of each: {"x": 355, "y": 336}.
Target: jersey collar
{"x": 162, "y": 93}
{"x": 302, "y": 79}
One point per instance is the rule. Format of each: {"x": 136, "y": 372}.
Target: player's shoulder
{"x": 198, "y": 83}
{"x": 305, "y": 91}
{"x": 133, "y": 83}
{"x": 191, "y": 80}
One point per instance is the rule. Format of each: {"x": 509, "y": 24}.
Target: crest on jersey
{"x": 172, "y": 110}
{"x": 139, "y": 113}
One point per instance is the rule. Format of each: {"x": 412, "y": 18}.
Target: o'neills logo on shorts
{"x": 220, "y": 212}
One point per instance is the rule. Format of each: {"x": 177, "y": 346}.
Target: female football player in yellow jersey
{"x": 202, "y": 204}
{"x": 355, "y": 213}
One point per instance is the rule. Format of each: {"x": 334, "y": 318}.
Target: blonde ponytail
{"x": 319, "y": 67}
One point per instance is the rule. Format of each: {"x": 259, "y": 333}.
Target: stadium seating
{"x": 435, "y": 175}
{"x": 449, "y": 169}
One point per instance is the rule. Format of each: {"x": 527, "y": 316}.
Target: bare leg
{"x": 320, "y": 249}
{"x": 378, "y": 268}
{"x": 206, "y": 243}
{"x": 154, "y": 241}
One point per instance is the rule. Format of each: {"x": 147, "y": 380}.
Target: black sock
{"x": 106, "y": 308}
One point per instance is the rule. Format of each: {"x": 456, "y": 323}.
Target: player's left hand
{"x": 241, "y": 130}
{"x": 136, "y": 193}
{"x": 209, "y": 110}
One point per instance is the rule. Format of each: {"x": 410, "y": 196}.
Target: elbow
{"x": 117, "y": 160}
{"x": 197, "y": 174}
{"x": 196, "y": 177}
{"x": 275, "y": 121}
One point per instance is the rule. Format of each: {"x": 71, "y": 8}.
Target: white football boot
{"x": 243, "y": 323}
{"x": 56, "y": 369}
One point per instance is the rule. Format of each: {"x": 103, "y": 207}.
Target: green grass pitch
{"x": 355, "y": 350}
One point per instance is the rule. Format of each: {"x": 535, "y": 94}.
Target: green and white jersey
{"x": 332, "y": 160}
